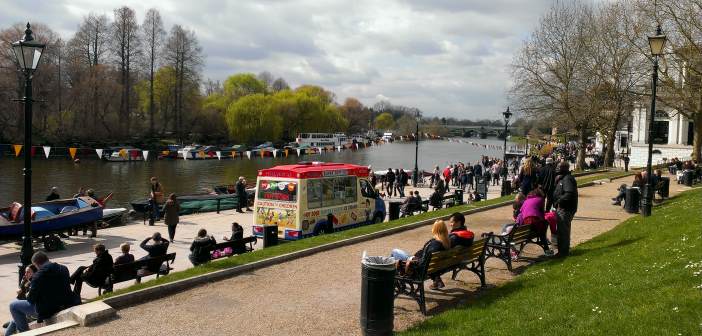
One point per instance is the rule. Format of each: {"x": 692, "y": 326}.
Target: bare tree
{"x": 184, "y": 54}
{"x": 125, "y": 47}
{"x": 153, "y": 35}
{"x": 551, "y": 79}
{"x": 279, "y": 85}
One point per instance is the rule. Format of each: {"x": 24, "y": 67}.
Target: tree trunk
{"x": 697, "y": 138}
{"x": 582, "y": 138}
{"x": 611, "y": 137}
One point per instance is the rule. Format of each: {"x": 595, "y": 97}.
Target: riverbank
{"x": 329, "y": 282}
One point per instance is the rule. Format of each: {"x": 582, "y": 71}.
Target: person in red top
{"x": 447, "y": 177}
{"x": 460, "y": 235}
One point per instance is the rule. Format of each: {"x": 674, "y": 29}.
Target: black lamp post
{"x": 657, "y": 43}
{"x": 27, "y": 53}
{"x": 415, "y": 174}
{"x": 507, "y": 115}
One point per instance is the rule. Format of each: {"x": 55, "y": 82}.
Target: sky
{"x": 449, "y": 58}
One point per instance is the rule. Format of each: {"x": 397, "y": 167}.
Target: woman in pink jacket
{"x": 532, "y": 213}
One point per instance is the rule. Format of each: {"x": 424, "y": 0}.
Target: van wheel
{"x": 51, "y": 243}
{"x": 377, "y": 219}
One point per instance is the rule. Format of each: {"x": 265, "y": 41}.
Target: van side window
{"x": 366, "y": 189}
{"x": 314, "y": 194}
{"x": 330, "y": 192}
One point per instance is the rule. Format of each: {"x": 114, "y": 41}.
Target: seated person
{"x": 10, "y": 327}
{"x": 439, "y": 242}
{"x": 460, "y": 235}
{"x": 418, "y": 199}
{"x": 50, "y": 292}
{"x": 410, "y": 205}
{"x": 436, "y": 198}
{"x": 94, "y": 274}
{"x": 621, "y": 195}
{"x": 200, "y": 248}
{"x": 532, "y": 213}
{"x": 237, "y": 235}
{"x": 158, "y": 248}
{"x": 125, "y": 257}
{"x": 517, "y": 205}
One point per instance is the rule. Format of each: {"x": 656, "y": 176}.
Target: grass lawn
{"x": 290, "y": 247}
{"x": 642, "y": 278}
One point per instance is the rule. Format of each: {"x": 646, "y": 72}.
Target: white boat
{"x": 126, "y": 155}
{"x": 387, "y": 136}
{"x": 323, "y": 139}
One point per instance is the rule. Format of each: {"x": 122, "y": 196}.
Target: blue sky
{"x": 447, "y": 57}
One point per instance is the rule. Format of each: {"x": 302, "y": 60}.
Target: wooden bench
{"x": 501, "y": 246}
{"x": 138, "y": 269}
{"x": 251, "y": 241}
{"x": 459, "y": 258}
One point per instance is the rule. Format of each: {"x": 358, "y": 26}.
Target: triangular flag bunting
{"x": 248, "y": 154}
{"x": 233, "y": 155}
{"x": 98, "y": 151}
{"x": 146, "y": 154}
{"x": 47, "y": 149}
{"x": 275, "y": 153}
{"x": 32, "y": 151}
{"x": 298, "y": 152}
{"x": 286, "y": 152}
{"x": 18, "y": 149}
{"x": 219, "y": 155}
{"x": 72, "y": 151}
{"x": 338, "y": 148}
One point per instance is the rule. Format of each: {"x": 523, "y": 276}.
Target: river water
{"x": 129, "y": 180}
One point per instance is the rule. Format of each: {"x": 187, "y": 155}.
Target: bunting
{"x": 338, "y": 148}
{"x": 47, "y": 149}
{"x": 123, "y": 153}
{"x": 285, "y": 151}
{"x": 98, "y": 151}
{"x": 298, "y": 151}
{"x": 248, "y": 154}
{"x": 146, "y": 155}
{"x": 233, "y": 154}
{"x": 72, "y": 151}
{"x": 32, "y": 151}
{"x": 185, "y": 154}
{"x": 275, "y": 153}
{"x": 18, "y": 149}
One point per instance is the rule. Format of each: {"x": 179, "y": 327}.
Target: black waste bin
{"x": 687, "y": 178}
{"x": 481, "y": 187}
{"x": 632, "y": 201}
{"x": 377, "y": 295}
{"x": 270, "y": 235}
{"x": 394, "y": 210}
{"x": 664, "y": 189}
{"x": 458, "y": 196}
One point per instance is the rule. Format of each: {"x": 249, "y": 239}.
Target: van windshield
{"x": 285, "y": 191}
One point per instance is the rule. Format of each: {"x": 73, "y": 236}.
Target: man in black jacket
{"x": 565, "y": 199}
{"x": 94, "y": 274}
{"x": 547, "y": 180}
{"x": 157, "y": 249}
{"x": 390, "y": 179}
{"x": 242, "y": 197}
{"x": 201, "y": 247}
{"x": 49, "y": 293}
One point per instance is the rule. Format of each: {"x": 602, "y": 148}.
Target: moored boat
{"x": 49, "y": 217}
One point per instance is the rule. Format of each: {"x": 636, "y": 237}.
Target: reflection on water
{"x": 129, "y": 180}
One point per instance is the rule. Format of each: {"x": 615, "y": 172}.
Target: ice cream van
{"x": 303, "y": 198}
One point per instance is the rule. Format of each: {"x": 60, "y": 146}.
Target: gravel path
{"x": 320, "y": 294}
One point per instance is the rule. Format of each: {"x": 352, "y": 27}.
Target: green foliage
{"x": 251, "y": 119}
{"x": 384, "y": 121}
{"x": 641, "y": 278}
{"x": 243, "y": 84}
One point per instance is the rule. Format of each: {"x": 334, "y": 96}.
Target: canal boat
{"x": 317, "y": 140}
{"x": 49, "y": 218}
{"x": 125, "y": 155}
{"x": 195, "y": 203}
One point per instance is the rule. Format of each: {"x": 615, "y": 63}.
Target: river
{"x": 129, "y": 180}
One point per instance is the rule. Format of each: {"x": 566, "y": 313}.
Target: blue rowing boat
{"x": 49, "y": 217}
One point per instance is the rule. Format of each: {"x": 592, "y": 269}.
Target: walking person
{"x": 565, "y": 199}
{"x": 547, "y": 181}
{"x": 171, "y": 210}
{"x": 390, "y": 179}
{"x": 404, "y": 179}
{"x": 242, "y": 197}
{"x": 155, "y": 198}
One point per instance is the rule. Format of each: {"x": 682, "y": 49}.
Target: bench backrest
{"x": 521, "y": 233}
{"x": 232, "y": 243}
{"x": 450, "y": 258}
{"x": 131, "y": 268}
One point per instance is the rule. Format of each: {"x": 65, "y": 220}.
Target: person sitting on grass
{"x": 439, "y": 242}
{"x": 201, "y": 247}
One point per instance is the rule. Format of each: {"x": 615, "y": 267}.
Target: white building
{"x": 672, "y": 136}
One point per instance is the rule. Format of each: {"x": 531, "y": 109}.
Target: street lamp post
{"x": 657, "y": 43}
{"x": 507, "y": 115}
{"x": 27, "y": 53}
{"x": 415, "y": 174}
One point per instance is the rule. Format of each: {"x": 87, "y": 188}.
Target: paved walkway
{"x": 320, "y": 294}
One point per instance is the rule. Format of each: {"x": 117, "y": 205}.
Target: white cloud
{"x": 446, "y": 57}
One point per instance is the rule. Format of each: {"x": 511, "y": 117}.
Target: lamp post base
{"x": 646, "y": 202}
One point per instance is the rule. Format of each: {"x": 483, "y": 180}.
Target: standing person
{"x": 94, "y": 274}
{"x": 527, "y": 177}
{"x": 469, "y": 177}
{"x": 565, "y": 199}
{"x": 390, "y": 179}
{"x": 50, "y": 292}
{"x": 53, "y": 195}
{"x": 477, "y": 170}
{"x": 242, "y": 197}
{"x": 447, "y": 178}
{"x": 435, "y": 176}
{"x": 547, "y": 181}
{"x": 404, "y": 179}
{"x": 626, "y": 163}
{"x": 155, "y": 198}
{"x": 171, "y": 210}
{"x": 496, "y": 168}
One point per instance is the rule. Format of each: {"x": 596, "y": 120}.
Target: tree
{"x": 152, "y": 36}
{"x": 184, "y": 54}
{"x": 551, "y": 76}
{"x": 279, "y": 85}
{"x": 243, "y": 84}
{"x": 356, "y": 114}
{"x": 250, "y": 120}
{"x": 406, "y": 125}
{"x": 384, "y": 121}
{"x": 125, "y": 47}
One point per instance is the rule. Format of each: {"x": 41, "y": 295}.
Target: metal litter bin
{"x": 632, "y": 200}
{"x": 687, "y": 177}
{"x": 458, "y": 196}
{"x": 270, "y": 235}
{"x": 394, "y": 210}
{"x": 377, "y": 295}
{"x": 664, "y": 190}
